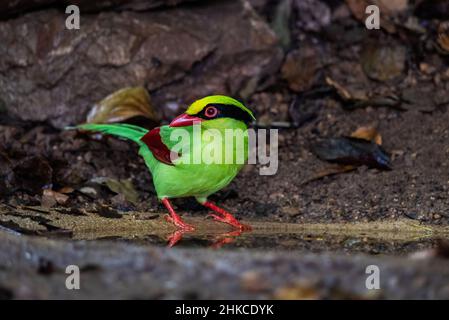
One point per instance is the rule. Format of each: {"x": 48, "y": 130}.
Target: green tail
{"x": 122, "y": 130}
{"x": 126, "y": 131}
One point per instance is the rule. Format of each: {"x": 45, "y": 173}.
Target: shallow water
{"x": 399, "y": 237}
{"x": 288, "y": 241}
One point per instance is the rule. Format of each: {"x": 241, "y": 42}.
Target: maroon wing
{"x": 159, "y": 150}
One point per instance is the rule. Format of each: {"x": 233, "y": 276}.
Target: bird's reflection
{"x": 225, "y": 238}
{"x": 218, "y": 242}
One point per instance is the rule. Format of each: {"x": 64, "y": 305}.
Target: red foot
{"x": 175, "y": 237}
{"x": 174, "y": 218}
{"x": 225, "y": 239}
{"x": 179, "y": 223}
{"x": 226, "y": 217}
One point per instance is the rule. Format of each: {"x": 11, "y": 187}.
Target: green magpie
{"x": 174, "y": 175}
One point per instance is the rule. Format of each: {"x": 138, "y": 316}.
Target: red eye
{"x": 211, "y": 112}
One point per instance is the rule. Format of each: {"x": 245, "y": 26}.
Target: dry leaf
{"x": 342, "y": 92}
{"x": 66, "y": 190}
{"x": 443, "y": 37}
{"x": 352, "y": 151}
{"x": 121, "y": 105}
{"x": 328, "y": 171}
{"x": 357, "y": 98}
{"x": 124, "y": 187}
{"x": 368, "y": 133}
{"x": 300, "y": 68}
{"x": 50, "y": 198}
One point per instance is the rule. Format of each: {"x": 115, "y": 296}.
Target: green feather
{"x": 122, "y": 130}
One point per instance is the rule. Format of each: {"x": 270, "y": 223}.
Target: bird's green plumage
{"x": 186, "y": 178}
{"x": 201, "y": 103}
{"x": 122, "y": 130}
{"x": 200, "y": 180}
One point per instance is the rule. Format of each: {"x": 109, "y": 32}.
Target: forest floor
{"x": 69, "y": 198}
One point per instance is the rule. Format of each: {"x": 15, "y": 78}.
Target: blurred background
{"x": 363, "y": 154}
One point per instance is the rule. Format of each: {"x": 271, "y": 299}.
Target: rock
{"x": 301, "y": 68}
{"x": 11, "y": 7}
{"x": 6, "y": 174}
{"x": 312, "y": 15}
{"x": 49, "y": 73}
{"x": 384, "y": 61}
{"x": 33, "y": 174}
{"x": 50, "y": 198}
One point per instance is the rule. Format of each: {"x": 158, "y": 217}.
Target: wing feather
{"x": 157, "y": 147}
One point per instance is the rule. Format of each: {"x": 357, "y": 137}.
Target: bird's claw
{"x": 175, "y": 237}
{"x": 226, "y": 238}
{"x": 231, "y": 221}
{"x": 185, "y": 227}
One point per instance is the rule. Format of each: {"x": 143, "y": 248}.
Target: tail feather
{"x": 122, "y": 130}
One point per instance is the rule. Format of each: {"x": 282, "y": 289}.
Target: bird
{"x": 174, "y": 173}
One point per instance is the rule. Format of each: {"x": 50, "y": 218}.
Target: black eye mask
{"x": 226, "y": 111}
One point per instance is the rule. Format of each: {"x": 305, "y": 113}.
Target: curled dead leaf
{"x": 359, "y": 98}
{"x": 342, "y": 91}
{"x": 121, "y": 105}
{"x": 352, "y": 151}
{"x": 346, "y": 153}
{"x": 368, "y": 133}
{"x": 329, "y": 170}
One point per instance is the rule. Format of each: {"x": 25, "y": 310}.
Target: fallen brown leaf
{"x": 50, "y": 198}
{"x": 66, "y": 190}
{"x": 124, "y": 187}
{"x": 443, "y": 37}
{"x": 368, "y": 133}
{"x": 360, "y": 98}
{"x": 330, "y": 170}
{"x": 352, "y": 151}
{"x": 342, "y": 92}
{"x": 300, "y": 68}
{"x": 121, "y": 105}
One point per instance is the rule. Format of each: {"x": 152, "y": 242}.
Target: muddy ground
{"x": 309, "y": 68}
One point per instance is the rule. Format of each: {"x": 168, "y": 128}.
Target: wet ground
{"x": 127, "y": 257}
{"x": 398, "y": 238}
{"x": 261, "y": 265}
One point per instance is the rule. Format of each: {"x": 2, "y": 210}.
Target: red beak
{"x": 184, "y": 120}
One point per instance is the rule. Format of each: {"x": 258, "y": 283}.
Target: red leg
{"x": 226, "y": 239}
{"x": 225, "y": 217}
{"x": 174, "y": 218}
{"x": 175, "y": 237}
